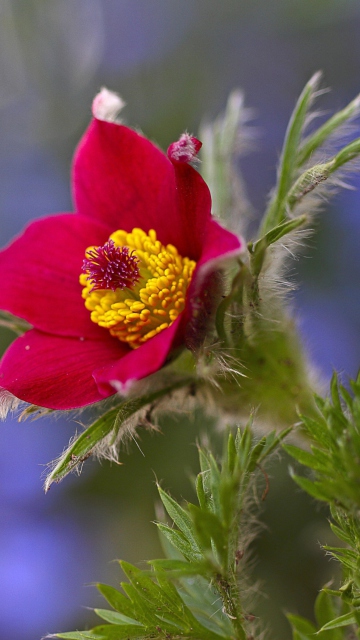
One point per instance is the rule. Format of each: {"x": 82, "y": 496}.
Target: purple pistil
{"x": 111, "y": 267}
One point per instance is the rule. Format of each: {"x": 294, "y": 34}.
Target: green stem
{"x": 229, "y": 591}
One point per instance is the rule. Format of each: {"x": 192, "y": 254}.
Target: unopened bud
{"x": 185, "y": 149}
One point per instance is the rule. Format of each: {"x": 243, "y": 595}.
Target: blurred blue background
{"x": 174, "y": 63}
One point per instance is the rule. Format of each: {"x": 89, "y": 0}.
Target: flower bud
{"x": 185, "y": 149}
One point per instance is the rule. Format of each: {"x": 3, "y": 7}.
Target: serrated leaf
{"x": 170, "y": 590}
{"x": 272, "y": 441}
{"x": 117, "y": 632}
{"x": 180, "y": 543}
{"x": 340, "y": 533}
{"x": 204, "y": 461}
{"x": 143, "y": 584}
{"x": 81, "y": 448}
{"x": 180, "y": 517}
{"x": 231, "y": 453}
{"x": 180, "y": 567}
{"x": 304, "y": 628}
{"x": 200, "y": 599}
{"x": 79, "y": 635}
{"x": 325, "y": 612}
{"x": 304, "y": 457}
{"x": 313, "y": 488}
{"x": 334, "y": 390}
{"x": 209, "y": 527}
{"x": 318, "y": 430}
{"x": 243, "y": 445}
{"x": 341, "y": 621}
{"x": 117, "y": 600}
{"x": 255, "y": 455}
{"x": 164, "y": 604}
{"x": 215, "y": 484}
{"x": 142, "y": 611}
{"x": 229, "y": 490}
{"x": 200, "y": 492}
{"x": 114, "y": 617}
{"x": 347, "y": 397}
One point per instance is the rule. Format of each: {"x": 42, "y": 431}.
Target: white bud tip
{"x": 107, "y": 105}
{"x": 123, "y": 388}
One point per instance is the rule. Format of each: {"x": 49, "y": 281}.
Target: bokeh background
{"x": 174, "y": 62}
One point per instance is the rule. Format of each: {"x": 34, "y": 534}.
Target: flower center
{"x": 135, "y": 286}
{"x": 111, "y": 267}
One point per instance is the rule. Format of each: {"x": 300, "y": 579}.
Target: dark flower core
{"x": 111, "y": 267}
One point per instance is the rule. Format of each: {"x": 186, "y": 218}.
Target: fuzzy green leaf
{"x": 178, "y": 540}
{"x": 317, "y": 139}
{"x": 82, "y": 447}
{"x": 231, "y": 452}
{"x": 117, "y": 632}
{"x": 302, "y": 629}
{"x": 117, "y": 600}
{"x": 79, "y": 635}
{"x": 142, "y": 610}
{"x": 325, "y": 612}
{"x": 144, "y": 585}
{"x": 180, "y": 568}
{"x": 258, "y": 249}
{"x": 341, "y": 621}
{"x": 288, "y": 161}
{"x": 180, "y": 517}
{"x": 314, "y": 489}
{"x": 243, "y": 443}
{"x": 272, "y": 442}
{"x": 208, "y": 527}
{"x": 304, "y": 457}
{"x": 114, "y": 617}
{"x": 200, "y": 492}
{"x": 220, "y": 146}
{"x": 256, "y": 454}
{"x": 340, "y": 533}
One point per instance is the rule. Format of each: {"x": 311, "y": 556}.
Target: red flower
{"x": 122, "y": 182}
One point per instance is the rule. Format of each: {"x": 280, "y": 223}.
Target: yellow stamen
{"x": 154, "y": 302}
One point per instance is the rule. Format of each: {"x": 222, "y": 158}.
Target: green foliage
{"x": 223, "y": 141}
{"x": 335, "y": 452}
{"x": 194, "y": 592}
{"x": 108, "y": 424}
{"x": 293, "y": 182}
{"x": 276, "y": 213}
{"x": 252, "y": 319}
{"x": 334, "y": 459}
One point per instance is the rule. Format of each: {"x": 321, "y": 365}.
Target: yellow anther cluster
{"x": 152, "y": 304}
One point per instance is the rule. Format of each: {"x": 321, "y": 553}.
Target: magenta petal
{"x": 40, "y": 274}
{"x": 124, "y": 180}
{"x": 56, "y": 372}
{"x": 220, "y": 245}
{"x": 138, "y": 363}
{"x": 206, "y": 287}
{"x": 193, "y": 203}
